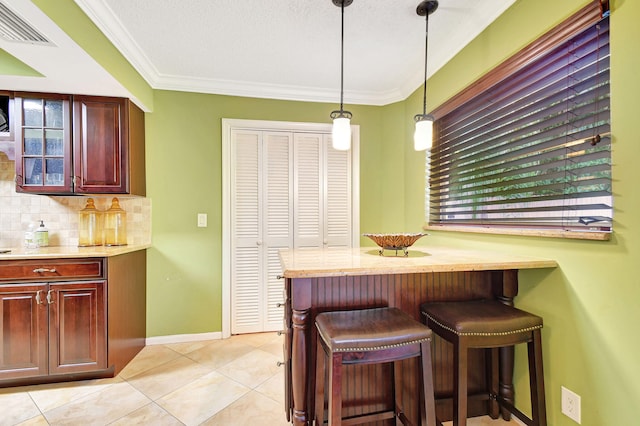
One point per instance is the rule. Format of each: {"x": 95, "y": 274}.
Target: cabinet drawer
{"x": 51, "y": 269}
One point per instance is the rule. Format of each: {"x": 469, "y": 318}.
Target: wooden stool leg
{"x": 335, "y": 389}
{"x": 536, "y": 380}
{"x": 492, "y": 378}
{"x": 460, "y": 358}
{"x": 321, "y": 384}
{"x": 396, "y": 379}
{"x": 506, "y": 378}
{"x": 427, "y": 385}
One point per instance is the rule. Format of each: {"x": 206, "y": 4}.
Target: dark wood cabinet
{"x": 78, "y": 144}
{"x": 61, "y": 319}
{"x": 77, "y": 327}
{"x": 23, "y": 331}
{"x": 7, "y": 138}
{"x": 52, "y": 329}
{"x": 108, "y": 148}
{"x": 43, "y": 143}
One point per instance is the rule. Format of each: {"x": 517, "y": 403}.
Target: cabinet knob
{"x": 41, "y": 270}
{"x": 279, "y": 305}
{"x": 259, "y": 242}
{"x": 38, "y": 297}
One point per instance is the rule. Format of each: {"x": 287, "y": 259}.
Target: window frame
{"x": 572, "y": 26}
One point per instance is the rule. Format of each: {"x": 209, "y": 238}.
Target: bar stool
{"x": 491, "y": 325}
{"x": 370, "y": 336}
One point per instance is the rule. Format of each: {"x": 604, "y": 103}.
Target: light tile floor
{"x": 235, "y": 381}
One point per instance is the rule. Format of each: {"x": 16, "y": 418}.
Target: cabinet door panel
{"x": 77, "y": 331}
{"x": 23, "y": 331}
{"x": 43, "y": 143}
{"x": 101, "y": 144}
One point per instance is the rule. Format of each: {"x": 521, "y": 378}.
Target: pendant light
{"x": 341, "y": 131}
{"x": 423, "y": 136}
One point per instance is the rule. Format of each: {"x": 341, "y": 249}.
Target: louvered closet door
{"x": 322, "y": 194}
{"x": 337, "y": 197}
{"x": 308, "y": 192}
{"x": 261, "y": 225}
{"x": 277, "y": 213}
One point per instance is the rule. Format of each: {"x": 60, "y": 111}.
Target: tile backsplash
{"x": 60, "y": 213}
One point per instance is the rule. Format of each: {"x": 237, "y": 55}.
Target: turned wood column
{"x": 505, "y": 290}
{"x": 300, "y": 304}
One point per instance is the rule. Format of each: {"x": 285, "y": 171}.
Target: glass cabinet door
{"x": 44, "y": 149}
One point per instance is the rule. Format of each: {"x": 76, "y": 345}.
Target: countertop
{"x": 309, "y": 263}
{"x": 59, "y": 252}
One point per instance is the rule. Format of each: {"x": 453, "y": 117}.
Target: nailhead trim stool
{"x": 489, "y": 324}
{"x": 369, "y": 336}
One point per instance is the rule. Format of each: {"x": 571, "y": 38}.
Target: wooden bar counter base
{"x": 343, "y": 279}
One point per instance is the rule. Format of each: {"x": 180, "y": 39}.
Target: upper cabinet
{"x": 78, "y": 144}
{"x": 6, "y": 124}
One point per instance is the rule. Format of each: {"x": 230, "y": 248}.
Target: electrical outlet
{"x": 571, "y": 404}
{"x": 202, "y": 220}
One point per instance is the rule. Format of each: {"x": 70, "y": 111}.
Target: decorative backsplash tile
{"x": 60, "y": 213}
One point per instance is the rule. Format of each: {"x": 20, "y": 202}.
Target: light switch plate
{"x": 202, "y": 220}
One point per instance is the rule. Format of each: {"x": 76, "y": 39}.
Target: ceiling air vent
{"x": 14, "y": 28}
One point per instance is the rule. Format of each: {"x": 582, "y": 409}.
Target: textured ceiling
{"x": 270, "y": 49}
{"x": 289, "y": 49}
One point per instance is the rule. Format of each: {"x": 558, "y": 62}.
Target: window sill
{"x": 547, "y": 233}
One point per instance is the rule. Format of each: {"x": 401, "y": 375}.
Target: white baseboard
{"x": 183, "y": 338}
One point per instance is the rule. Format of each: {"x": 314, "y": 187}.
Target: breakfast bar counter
{"x": 341, "y": 279}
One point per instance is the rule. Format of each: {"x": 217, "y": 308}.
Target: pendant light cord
{"x": 426, "y": 51}
{"x": 342, "y": 56}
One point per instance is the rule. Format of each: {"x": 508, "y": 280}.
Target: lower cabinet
{"x": 54, "y": 318}
{"x": 52, "y": 328}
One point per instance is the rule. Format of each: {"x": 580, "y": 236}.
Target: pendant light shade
{"x": 341, "y": 131}
{"x": 423, "y": 136}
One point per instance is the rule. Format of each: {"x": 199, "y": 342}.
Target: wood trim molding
{"x": 547, "y": 233}
{"x": 588, "y": 15}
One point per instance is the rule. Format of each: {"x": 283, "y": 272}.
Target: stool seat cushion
{"x": 369, "y": 329}
{"x": 480, "y": 318}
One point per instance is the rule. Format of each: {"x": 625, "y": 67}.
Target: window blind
{"x": 533, "y": 150}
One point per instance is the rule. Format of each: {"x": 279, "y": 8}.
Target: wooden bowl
{"x": 394, "y": 241}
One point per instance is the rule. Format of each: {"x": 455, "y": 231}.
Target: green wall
{"x": 10, "y": 65}
{"x": 184, "y": 178}
{"x": 588, "y": 302}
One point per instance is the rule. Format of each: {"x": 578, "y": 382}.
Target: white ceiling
{"x": 284, "y": 49}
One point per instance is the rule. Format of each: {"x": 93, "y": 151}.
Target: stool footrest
{"x": 519, "y": 414}
{"x": 368, "y": 418}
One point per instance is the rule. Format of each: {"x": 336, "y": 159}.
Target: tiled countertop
{"x": 301, "y": 263}
{"x": 59, "y": 252}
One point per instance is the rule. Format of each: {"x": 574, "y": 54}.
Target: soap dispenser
{"x": 90, "y": 225}
{"x": 115, "y": 225}
{"x": 41, "y": 235}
